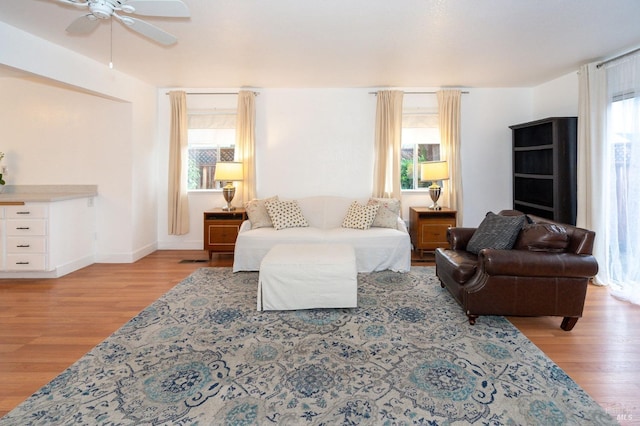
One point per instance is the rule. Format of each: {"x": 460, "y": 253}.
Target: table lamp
{"x": 228, "y": 171}
{"x": 434, "y": 171}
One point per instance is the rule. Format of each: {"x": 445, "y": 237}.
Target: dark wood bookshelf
{"x": 544, "y": 168}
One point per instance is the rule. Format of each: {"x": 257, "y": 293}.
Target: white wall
{"x": 75, "y": 121}
{"x": 486, "y": 149}
{"x": 315, "y": 142}
{"x": 556, "y": 98}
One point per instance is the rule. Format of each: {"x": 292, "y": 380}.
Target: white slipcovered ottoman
{"x": 307, "y": 276}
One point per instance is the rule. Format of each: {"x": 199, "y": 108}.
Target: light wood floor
{"x": 46, "y": 325}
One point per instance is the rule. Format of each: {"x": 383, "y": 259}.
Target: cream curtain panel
{"x": 178, "y": 151}
{"x": 386, "y": 175}
{"x": 449, "y": 116}
{"x": 245, "y": 142}
{"x": 609, "y": 170}
{"x": 590, "y": 210}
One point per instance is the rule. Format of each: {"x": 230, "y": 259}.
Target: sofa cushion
{"x": 496, "y": 232}
{"x": 285, "y": 214}
{"x": 388, "y": 213}
{"x": 258, "y": 214}
{"x": 548, "y": 237}
{"x": 360, "y": 216}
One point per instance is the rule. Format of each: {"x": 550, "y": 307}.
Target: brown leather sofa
{"x": 527, "y": 280}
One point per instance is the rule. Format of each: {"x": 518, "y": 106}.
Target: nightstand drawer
{"x": 223, "y": 234}
{"x": 26, "y": 262}
{"x": 433, "y": 236}
{"x": 26, "y": 245}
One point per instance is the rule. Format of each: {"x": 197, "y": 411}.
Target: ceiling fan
{"x": 106, "y": 9}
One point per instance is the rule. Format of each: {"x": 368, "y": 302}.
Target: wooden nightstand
{"x": 221, "y": 229}
{"x": 428, "y": 228}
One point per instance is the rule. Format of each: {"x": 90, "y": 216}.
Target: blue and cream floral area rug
{"x": 203, "y": 355}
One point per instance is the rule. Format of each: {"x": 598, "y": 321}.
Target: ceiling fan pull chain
{"x": 111, "y": 45}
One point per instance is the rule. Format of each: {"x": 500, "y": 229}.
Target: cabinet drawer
{"x": 27, "y": 211}
{"x": 434, "y": 235}
{"x": 223, "y": 234}
{"x": 26, "y": 245}
{"x": 26, "y": 262}
{"x": 26, "y": 227}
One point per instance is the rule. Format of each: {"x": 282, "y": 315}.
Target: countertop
{"x": 19, "y": 194}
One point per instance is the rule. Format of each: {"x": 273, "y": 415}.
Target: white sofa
{"x": 376, "y": 248}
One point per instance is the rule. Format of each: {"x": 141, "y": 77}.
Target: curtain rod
{"x": 418, "y": 93}
{"x": 215, "y": 93}
{"x": 617, "y": 57}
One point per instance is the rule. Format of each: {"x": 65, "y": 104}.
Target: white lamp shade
{"x": 228, "y": 171}
{"x": 432, "y": 171}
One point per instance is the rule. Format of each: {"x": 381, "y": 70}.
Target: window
{"x": 420, "y": 142}
{"x": 623, "y": 136}
{"x": 211, "y": 137}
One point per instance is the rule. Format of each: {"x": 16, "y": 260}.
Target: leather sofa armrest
{"x": 459, "y": 237}
{"x": 524, "y": 263}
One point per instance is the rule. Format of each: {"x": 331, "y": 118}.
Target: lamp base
{"x": 228, "y": 192}
{"x": 434, "y": 193}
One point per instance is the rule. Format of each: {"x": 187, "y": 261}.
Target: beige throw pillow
{"x": 286, "y": 214}
{"x": 257, "y": 213}
{"x": 360, "y": 216}
{"x": 388, "y": 213}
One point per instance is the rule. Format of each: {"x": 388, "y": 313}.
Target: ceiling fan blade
{"x": 74, "y": 3}
{"x": 147, "y": 30}
{"x": 167, "y": 8}
{"x": 83, "y": 25}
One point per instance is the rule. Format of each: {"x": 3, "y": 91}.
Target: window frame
{"x": 218, "y": 147}
{"x": 433, "y": 116}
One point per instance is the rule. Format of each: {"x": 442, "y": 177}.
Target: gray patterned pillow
{"x": 360, "y": 216}
{"x": 257, "y": 212}
{"x": 285, "y": 214}
{"x": 388, "y": 213}
{"x": 496, "y": 232}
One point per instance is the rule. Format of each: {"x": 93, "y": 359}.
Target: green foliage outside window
{"x": 406, "y": 173}
{"x": 410, "y": 165}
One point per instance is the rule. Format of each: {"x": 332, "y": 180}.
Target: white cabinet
{"x": 26, "y": 237}
{"x": 46, "y": 239}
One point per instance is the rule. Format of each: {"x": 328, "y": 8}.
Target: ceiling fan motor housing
{"x": 101, "y": 9}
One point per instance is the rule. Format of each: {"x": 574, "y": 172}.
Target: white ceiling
{"x": 353, "y": 43}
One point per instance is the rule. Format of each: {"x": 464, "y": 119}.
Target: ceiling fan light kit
{"x": 107, "y": 9}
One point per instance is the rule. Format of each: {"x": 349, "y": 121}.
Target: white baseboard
{"x": 127, "y": 257}
{"x": 74, "y": 266}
